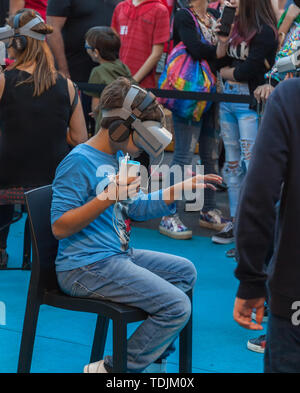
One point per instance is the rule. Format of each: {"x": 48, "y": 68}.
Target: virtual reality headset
{"x": 151, "y": 136}
{"x": 7, "y": 31}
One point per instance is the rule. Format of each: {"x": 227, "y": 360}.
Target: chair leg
{"x": 186, "y": 344}
{"x": 28, "y": 336}
{"x": 119, "y": 347}
{"x": 26, "y": 265}
{"x": 99, "y": 339}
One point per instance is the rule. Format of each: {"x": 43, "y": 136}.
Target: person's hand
{"x": 202, "y": 181}
{"x": 223, "y": 40}
{"x": 263, "y": 92}
{"x": 128, "y": 188}
{"x": 243, "y": 309}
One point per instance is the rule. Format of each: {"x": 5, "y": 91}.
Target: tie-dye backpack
{"x": 183, "y": 73}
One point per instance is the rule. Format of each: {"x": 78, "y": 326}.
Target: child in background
{"x": 103, "y": 46}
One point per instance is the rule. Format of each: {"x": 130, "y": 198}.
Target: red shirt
{"x": 38, "y": 5}
{"x": 140, "y": 27}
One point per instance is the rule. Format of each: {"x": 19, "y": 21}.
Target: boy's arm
{"x": 150, "y": 63}
{"x": 160, "y": 203}
{"x": 75, "y": 220}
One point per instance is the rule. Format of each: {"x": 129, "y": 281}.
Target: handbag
{"x": 183, "y": 73}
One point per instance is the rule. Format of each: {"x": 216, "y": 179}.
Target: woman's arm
{"x": 56, "y": 43}
{"x": 2, "y": 84}
{"x": 292, "y": 13}
{"x": 77, "y": 132}
{"x": 187, "y": 32}
{"x": 260, "y": 47}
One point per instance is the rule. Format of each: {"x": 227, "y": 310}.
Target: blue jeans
{"x": 187, "y": 134}
{"x": 152, "y": 281}
{"x": 239, "y": 126}
{"x": 282, "y": 352}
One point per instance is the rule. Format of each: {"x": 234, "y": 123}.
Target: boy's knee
{"x": 191, "y": 273}
{"x": 182, "y": 309}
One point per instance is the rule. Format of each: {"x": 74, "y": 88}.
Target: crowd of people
{"x": 61, "y": 136}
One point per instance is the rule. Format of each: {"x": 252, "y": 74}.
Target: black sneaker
{"x": 3, "y": 259}
{"x": 257, "y": 344}
{"x": 225, "y": 236}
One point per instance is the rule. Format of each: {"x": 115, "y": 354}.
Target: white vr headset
{"x": 150, "y": 136}
{"x": 7, "y": 31}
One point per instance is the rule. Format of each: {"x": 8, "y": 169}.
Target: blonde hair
{"x": 35, "y": 53}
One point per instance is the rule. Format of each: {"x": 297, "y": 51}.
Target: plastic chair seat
{"x": 108, "y": 309}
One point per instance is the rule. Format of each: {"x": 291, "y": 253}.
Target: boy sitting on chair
{"x": 92, "y": 224}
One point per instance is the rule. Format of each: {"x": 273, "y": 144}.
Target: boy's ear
{"x": 97, "y": 53}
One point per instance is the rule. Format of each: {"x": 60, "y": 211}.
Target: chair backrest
{"x": 44, "y": 244}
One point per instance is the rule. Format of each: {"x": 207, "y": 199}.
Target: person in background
{"x": 187, "y": 132}
{"x": 142, "y": 43}
{"x": 251, "y": 49}
{"x": 38, "y": 5}
{"x": 290, "y": 19}
{"x": 103, "y": 46}
{"x": 271, "y": 178}
{"x": 71, "y": 19}
{"x": 41, "y": 117}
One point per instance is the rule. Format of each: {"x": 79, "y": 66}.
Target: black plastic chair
{"x": 43, "y": 289}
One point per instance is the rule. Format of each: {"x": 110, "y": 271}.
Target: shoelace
{"x": 227, "y": 227}
{"x": 177, "y": 221}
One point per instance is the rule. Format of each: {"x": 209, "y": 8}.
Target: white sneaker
{"x": 157, "y": 367}
{"x": 97, "y": 367}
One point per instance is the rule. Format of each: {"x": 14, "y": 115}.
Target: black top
{"x": 4, "y": 7}
{"x": 81, "y": 16}
{"x": 33, "y": 131}
{"x": 185, "y": 30}
{"x": 249, "y": 61}
{"x": 273, "y": 175}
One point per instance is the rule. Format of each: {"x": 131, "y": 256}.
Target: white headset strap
{"x": 26, "y": 29}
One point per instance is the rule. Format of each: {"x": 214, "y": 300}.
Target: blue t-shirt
{"x": 79, "y": 178}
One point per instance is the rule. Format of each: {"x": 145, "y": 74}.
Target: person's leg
{"x": 176, "y": 270}
{"x": 128, "y": 279}
{"x": 282, "y": 352}
{"x": 233, "y": 172}
{"x": 248, "y": 126}
{"x": 186, "y": 138}
{"x": 209, "y": 153}
{"x": 6, "y": 215}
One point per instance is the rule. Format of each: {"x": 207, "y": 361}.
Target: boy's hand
{"x": 202, "y": 181}
{"x": 191, "y": 184}
{"x": 128, "y": 189}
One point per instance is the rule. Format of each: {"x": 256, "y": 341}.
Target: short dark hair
{"x": 113, "y": 97}
{"x": 105, "y": 40}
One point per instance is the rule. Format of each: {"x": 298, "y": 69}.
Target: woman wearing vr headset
{"x": 93, "y": 260}
{"x": 40, "y": 116}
